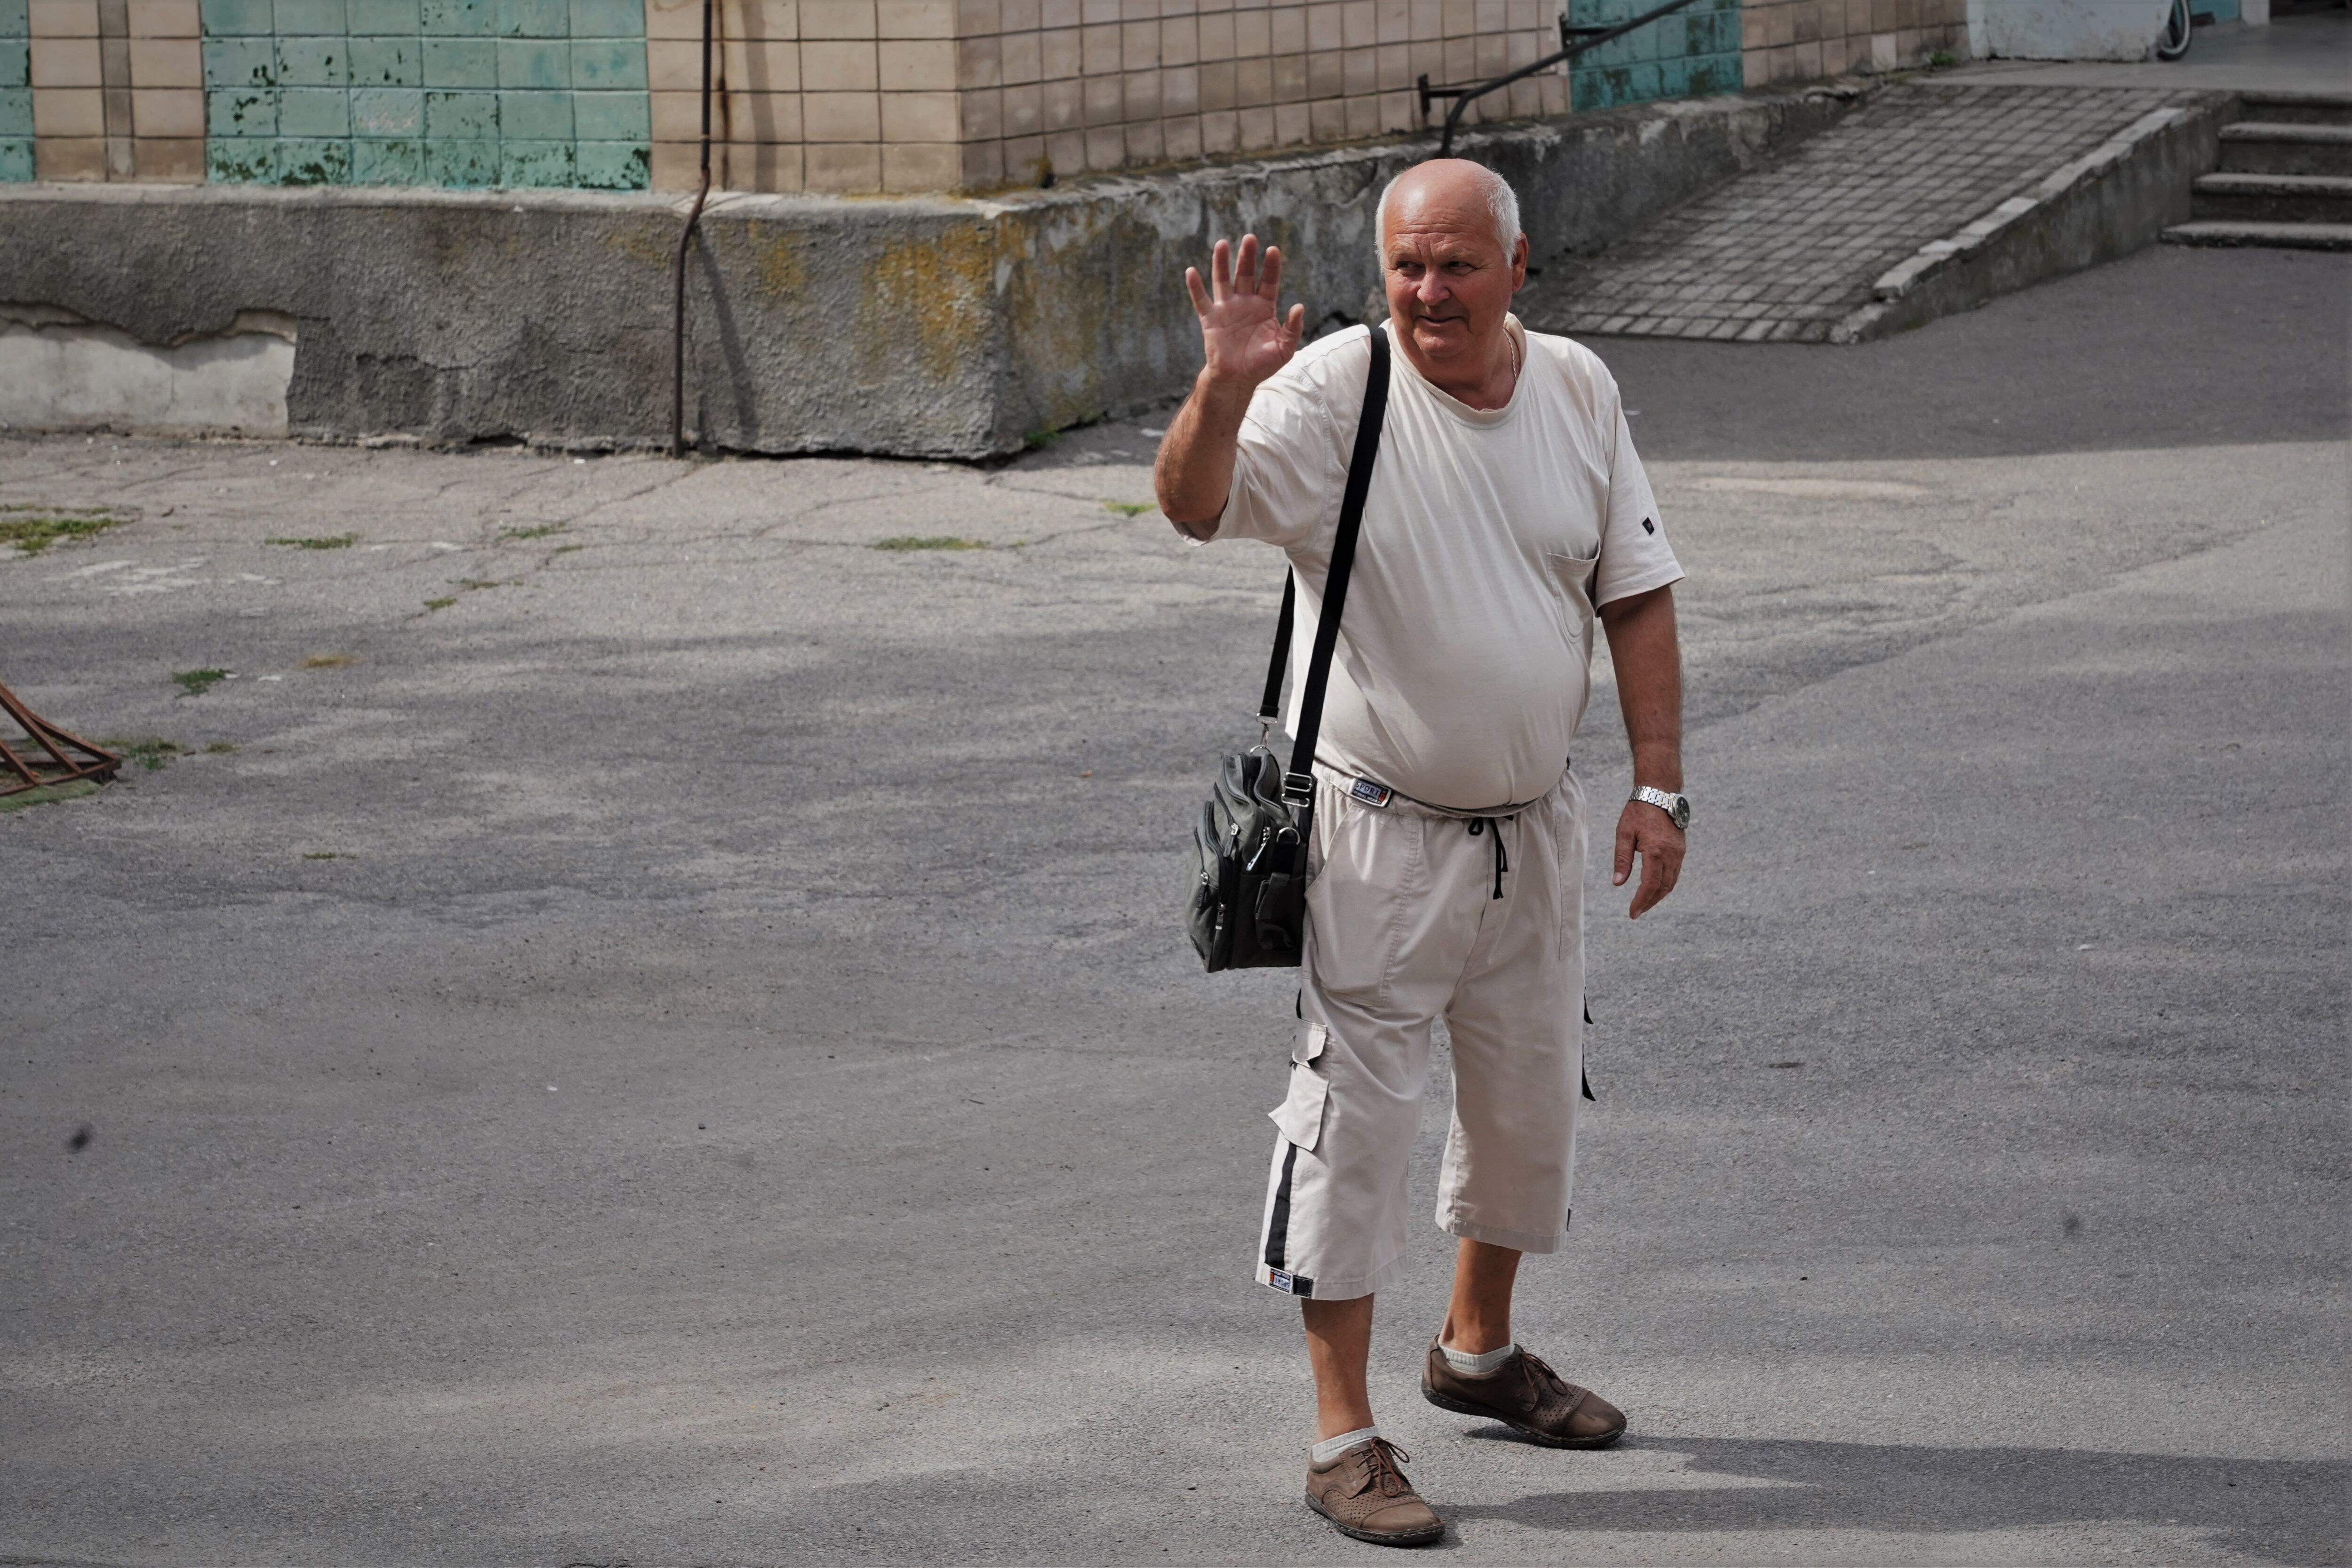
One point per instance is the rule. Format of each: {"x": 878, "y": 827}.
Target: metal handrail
{"x": 1593, "y": 38}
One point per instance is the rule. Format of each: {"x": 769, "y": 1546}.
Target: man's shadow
{"x": 2275, "y": 1511}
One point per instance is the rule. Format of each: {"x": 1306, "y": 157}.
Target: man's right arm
{"x": 1245, "y": 337}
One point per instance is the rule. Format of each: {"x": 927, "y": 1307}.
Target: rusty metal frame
{"x": 63, "y": 768}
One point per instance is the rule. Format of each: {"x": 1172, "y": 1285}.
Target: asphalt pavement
{"x": 663, "y": 1035}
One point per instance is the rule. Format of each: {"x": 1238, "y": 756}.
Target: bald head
{"x": 1450, "y": 192}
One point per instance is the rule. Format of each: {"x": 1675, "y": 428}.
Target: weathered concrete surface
{"x": 740, "y": 1096}
{"x": 936, "y": 327}
{"x": 57, "y": 372}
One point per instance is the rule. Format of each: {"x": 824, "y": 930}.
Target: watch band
{"x": 1677, "y": 806}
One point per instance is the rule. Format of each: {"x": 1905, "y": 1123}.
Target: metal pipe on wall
{"x": 677, "y": 264}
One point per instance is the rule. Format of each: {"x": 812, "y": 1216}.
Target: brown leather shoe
{"x": 1364, "y": 1494}
{"x": 1528, "y": 1397}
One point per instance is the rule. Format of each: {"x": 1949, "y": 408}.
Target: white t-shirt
{"x": 1489, "y": 539}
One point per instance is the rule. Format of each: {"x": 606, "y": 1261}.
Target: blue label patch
{"x": 1370, "y": 793}
{"x": 1290, "y": 1284}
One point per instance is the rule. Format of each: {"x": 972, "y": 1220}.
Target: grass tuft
{"x": 322, "y": 855}
{"x": 471, "y": 584}
{"x": 154, "y": 754}
{"x": 438, "y": 604}
{"x": 334, "y": 541}
{"x": 33, "y": 529}
{"x": 1130, "y": 508}
{"x": 221, "y": 748}
{"x": 196, "y": 682}
{"x": 929, "y": 542}
{"x": 541, "y": 531}
{"x": 1038, "y": 440}
{"x": 329, "y": 660}
{"x": 72, "y": 789}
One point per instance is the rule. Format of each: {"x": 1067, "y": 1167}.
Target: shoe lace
{"x": 1539, "y": 1374}
{"x": 1381, "y": 1475}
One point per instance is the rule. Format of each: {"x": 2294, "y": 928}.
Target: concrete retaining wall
{"x": 930, "y": 327}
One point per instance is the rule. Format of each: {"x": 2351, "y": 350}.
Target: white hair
{"x": 1502, "y": 203}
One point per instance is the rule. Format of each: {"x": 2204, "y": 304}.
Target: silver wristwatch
{"x": 1677, "y": 806}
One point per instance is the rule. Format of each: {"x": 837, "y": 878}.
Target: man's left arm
{"x": 1649, "y": 664}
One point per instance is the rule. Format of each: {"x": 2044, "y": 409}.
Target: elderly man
{"x": 1506, "y": 509}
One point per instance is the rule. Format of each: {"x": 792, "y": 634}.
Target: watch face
{"x": 1681, "y": 811}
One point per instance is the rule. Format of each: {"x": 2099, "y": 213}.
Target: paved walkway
{"x": 1785, "y": 254}
{"x": 2311, "y": 53}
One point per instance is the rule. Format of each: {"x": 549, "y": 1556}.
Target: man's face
{"x": 1449, "y": 280}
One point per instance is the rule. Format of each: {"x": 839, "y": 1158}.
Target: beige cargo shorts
{"x": 1414, "y": 915}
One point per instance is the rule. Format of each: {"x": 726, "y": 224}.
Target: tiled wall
{"x": 116, "y": 90}
{"x": 15, "y": 92}
{"x": 1795, "y": 40}
{"x": 1692, "y": 54}
{"x": 439, "y": 92}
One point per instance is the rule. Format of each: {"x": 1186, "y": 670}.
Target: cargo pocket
{"x": 1300, "y": 1115}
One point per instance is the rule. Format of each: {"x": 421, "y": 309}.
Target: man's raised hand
{"x": 1244, "y": 335}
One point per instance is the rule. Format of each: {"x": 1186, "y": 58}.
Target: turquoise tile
{"x": 240, "y": 62}
{"x": 1716, "y": 74}
{"x": 16, "y": 19}
{"x": 608, "y": 19}
{"x": 313, "y": 111}
{"x": 387, "y": 62}
{"x": 16, "y": 159}
{"x": 241, "y": 111}
{"x": 525, "y": 164}
{"x": 310, "y": 18}
{"x": 611, "y": 117}
{"x": 236, "y": 18}
{"x": 387, "y": 112}
{"x": 535, "y": 62}
{"x": 377, "y": 163}
{"x": 461, "y": 116}
{"x": 610, "y": 166}
{"x": 608, "y": 64}
{"x": 15, "y": 111}
{"x": 461, "y": 62}
{"x": 314, "y": 161}
{"x": 464, "y": 164}
{"x": 313, "y": 62}
{"x": 534, "y": 18}
{"x": 15, "y": 63}
{"x": 1666, "y": 39}
{"x": 241, "y": 160}
{"x": 459, "y": 18}
{"x": 384, "y": 19}
{"x": 534, "y": 116}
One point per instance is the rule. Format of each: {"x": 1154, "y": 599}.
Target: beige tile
{"x": 775, "y": 65}
{"x": 1179, "y": 41}
{"x": 1755, "y": 69}
{"x": 1363, "y": 116}
{"x": 1216, "y": 36}
{"x": 677, "y": 166}
{"x": 674, "y": 64}
{"x": 1489, "y": 58}
{"x": 982, "y": 112}
{"x": 920, "y": 117}
{"x": 66, "y": 62}
{"x": 837, "y": 19}
{"x": 1288, "y": 24}
{"x": 1101, "y": 101}
{"x": 1220, "y": 132}
{"x": 918, "y": 65}
{"x": 1360, "y": 71}
{"x": 673, "y": 19}
{"x": 1025, "y": 111}
{"x": 1180, "y": 91}
{"x": 759, "y": 166}
{"x": 1062, "y": 55}
{"x": 167, "y": 62}
{"x": 1751, "y": 28}
{"x": 979, "y": 62}
{"x": 165, "y": 20}
{"x": 169, "y": 160}
{"x": 1291, "y": 124}
{"x": 69, "y": 112}
{"x": 1253, "y": 34}
{"x": 983, "y": 166}
{"x": 1490, "y": 16}
{"x": 839, "y": 65}
{"x": 1105, "y": 150}
{"x": 980, "y": 19}
{"x": 1391, "y": 21}
{"x": 167, "y": 114}
{"x": 1024, "y": 159}
{"x": 751, "y": 117}
{"x": 1138, "y": 46}
{"x": 1021, "y": 17}
{"x": 915, "y": 18}
{"x": 1065, "y": 107}
{"x": 63, "y": 18}
{"x": 1809, "y": 59}
{"x": 1400, "y": 111}
{"x": 1326, "y": 75}
{"x": 1140, "y": 96}
{"x": 1359, "y": 23}
{"x": 844, "y": 170}
{"x": 1289, "y": 77}
{"x": 1461, "y": 61}
{"x": 912, "y": 168}
{"x": 1555, "y": 93}
{"x": 1325, "y": 24}
{"x": 1461, "y": 17}
{"x": 1098, "y": 48}
{"x": 1217, "y": 85}
{"x": 1779, "y": 27}
{"x": 1023, "y": 57}
{"x": 69, "y": 158}
{"x": 1180, "y": 135}
{"x": 1326, "y": 119}
{"x": 841, "y": 116}
{"x": 1526, "y": 99}
{"x": 1065, "y": 152}
{"x": 1252, "y": 84}
{"x": 1144, "y": 143}
{"x": 1060, "y": 13}
{"x": 1394, "y": 70}
{"x": 1428, "y": 18}
{"x": 677, "y": 116}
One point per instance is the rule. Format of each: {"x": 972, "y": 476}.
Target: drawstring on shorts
{"x": 1501, "y": 860}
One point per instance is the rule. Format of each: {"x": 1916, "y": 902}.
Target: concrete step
{"x": 2284, "y": 147}
{"x": 2299, "y": 108}
{"x": 2270, "y": 236}
{"x": 2272, "y": 198}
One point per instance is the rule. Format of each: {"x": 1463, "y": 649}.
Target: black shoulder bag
{"x": 1249, "y": 900}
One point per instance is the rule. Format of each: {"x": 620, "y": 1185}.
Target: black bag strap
{"x": 1298, "y": 781}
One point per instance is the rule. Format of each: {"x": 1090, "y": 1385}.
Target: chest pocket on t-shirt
{"x": 1576, "y": 577}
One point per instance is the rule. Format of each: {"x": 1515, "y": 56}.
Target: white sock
{"x": 1477, "y": 1365}
{"x": 1330, "y": 1448}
